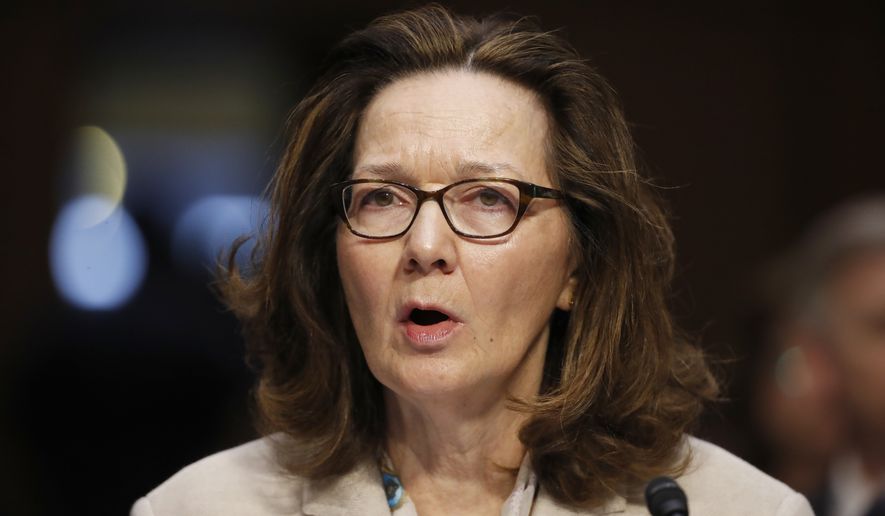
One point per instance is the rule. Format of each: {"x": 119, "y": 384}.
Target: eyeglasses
{"x": 473, "y": 208}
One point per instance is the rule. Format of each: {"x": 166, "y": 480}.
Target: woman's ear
{"x": 567, "y": 296}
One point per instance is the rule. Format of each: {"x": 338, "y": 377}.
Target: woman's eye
{"x": 380, "y": 198}
{"x": 490, "y": 197}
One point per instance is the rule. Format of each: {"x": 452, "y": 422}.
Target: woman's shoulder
{"x": 249, "y": 479}
{"x": 242, "y": 480}
{"x": 717, "y": 482}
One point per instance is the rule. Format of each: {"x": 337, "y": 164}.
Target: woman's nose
{"x": 430, "y": 242}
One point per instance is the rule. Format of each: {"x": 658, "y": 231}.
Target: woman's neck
{"x": 452, "y": 458}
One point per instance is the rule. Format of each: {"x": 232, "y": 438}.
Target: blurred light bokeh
{"x": 96, "y": 253}
{"x": 209, "y": 226}
{"x": 97, "y": 168}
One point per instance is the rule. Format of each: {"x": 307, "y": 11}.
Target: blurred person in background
{"x": 820, "y": 401}
{"x": 797, "y": 423}
{"x": 506, "y": 348}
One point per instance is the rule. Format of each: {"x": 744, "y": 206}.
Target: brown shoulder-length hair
{"x": 621, "y": 385}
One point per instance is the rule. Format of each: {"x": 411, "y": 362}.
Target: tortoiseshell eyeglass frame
{"x": 527, "y": 192}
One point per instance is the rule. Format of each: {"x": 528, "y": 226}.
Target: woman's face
{"x": 486, "y": 303}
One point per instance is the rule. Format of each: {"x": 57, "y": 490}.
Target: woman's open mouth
{"x": 427, "y": 317}
{"x": 427, "y": 328}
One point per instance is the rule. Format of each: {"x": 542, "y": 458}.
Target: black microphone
{"x": 664, "y": 497}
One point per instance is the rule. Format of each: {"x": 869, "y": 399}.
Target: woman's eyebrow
{"x": 465, "y": 170}
{"x": 473, "y": 168}
{"x": 390, "y": 170}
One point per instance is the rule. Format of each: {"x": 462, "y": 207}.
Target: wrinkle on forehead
{"x": 447, "y": 118}
{"x": 463, "y": 170}
{"x": 450, "y": 123}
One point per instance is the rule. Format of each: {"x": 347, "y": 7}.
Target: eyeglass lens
{"x": 478, "y": 208}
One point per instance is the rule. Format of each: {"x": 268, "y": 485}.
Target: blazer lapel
{"x": 358, "y": 492}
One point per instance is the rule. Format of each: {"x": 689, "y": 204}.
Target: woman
{"x": 505, "y": 347}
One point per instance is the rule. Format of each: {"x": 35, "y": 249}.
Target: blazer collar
{"x": 360, "y": 492}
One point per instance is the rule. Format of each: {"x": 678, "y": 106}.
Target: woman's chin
{"x": 438, "y": 381}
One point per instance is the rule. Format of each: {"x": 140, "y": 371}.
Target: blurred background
{"x": 137, "y": 139}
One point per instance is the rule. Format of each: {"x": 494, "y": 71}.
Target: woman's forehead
{"x": 454, "y": 122}
{"x": 460, "y": 170}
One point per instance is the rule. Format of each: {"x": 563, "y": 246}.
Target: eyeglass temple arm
{"x": 545, "y": 193}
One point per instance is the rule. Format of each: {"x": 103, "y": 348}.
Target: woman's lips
{"x": 432, "y": 336}
{"x": 427, "y": 326}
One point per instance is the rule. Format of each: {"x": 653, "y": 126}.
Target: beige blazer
{"x": 246, "y": 481}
